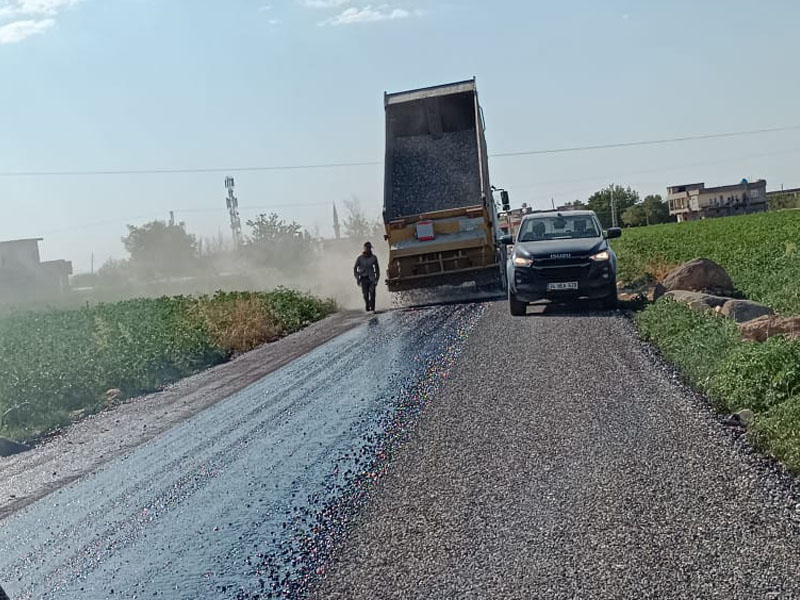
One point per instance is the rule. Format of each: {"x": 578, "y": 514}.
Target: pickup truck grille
{"x": 561, "y": 273}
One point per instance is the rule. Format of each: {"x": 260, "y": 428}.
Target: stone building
{"x": 23, "y": 275}
{"x": 694, "y": 201}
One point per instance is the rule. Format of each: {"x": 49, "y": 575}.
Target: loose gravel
{"x": 431, "y": 173}
{"x": 563, "y": 460}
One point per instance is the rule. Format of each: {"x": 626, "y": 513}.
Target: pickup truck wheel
{"x": 517, "y": 308}
{"x": 611, "y": 301}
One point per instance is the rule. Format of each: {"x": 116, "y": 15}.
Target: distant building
{"x": 695, "y": 201}
{"x": 778, "y": 199}
{"x": 24, "y": 276}
{"x": 577, "y": 205}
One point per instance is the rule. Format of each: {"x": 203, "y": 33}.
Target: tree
{"x": 635, "y": 216}
{"x": 277, "y": 243}
{"x": 356, "y": 224}
{"x": 650, "y": 211}
{"x": 160, "y": 249}
{"x": 576, "y": 205}
{"x": 656, "y": 209}
{"x": 270, "y": 228}
{"x": 114, "y": 273}
{"x": 600, "y": 202}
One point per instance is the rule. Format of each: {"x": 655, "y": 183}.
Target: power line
{"x": 342, "y": 165}
{"x": 543, "y": 184}
{"x": 178, "y": 212}
{"x": 185, "y": 171}
{"x": 690, "y": 138}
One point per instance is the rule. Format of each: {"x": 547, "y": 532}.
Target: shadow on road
{"x": 583, "y": 308}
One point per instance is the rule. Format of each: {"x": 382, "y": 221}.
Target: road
{"x": 448, "y": 452}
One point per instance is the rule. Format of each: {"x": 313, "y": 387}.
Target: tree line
{"x": 632, "y": 211}
{"x": 162, "y": 250}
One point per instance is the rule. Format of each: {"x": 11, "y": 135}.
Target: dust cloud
{"x": 324, "y": 269}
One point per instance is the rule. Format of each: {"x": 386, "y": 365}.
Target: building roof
{"x": 700, "y": 187}
{"x": 21, "y": 241}
{"x": 789, "y": 191}
{"x": 738, "y": 186}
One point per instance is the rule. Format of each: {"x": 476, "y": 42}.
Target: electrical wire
{"x": 341, "y": 165}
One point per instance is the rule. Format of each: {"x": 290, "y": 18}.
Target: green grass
{"x": 734, "y": 374}
{"x": 56, "y": 362}
{"x": 760, "y": 252}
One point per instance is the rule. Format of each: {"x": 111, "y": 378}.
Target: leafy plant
{"x": 757, "y": 250}
{"x": 57, "y": 362}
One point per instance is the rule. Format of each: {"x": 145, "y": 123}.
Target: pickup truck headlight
{"x": 521, "y": 261}
{"x": 601, "y": 256}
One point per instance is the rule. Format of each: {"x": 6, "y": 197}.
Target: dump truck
{"x": 441, "y": 221}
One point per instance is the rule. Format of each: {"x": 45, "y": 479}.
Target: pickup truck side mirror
{"x": 613, "y": 232}
{"x": 507, "y": 240}
{"x": 504, "y": 200}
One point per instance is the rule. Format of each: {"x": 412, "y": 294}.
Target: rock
{"x": 10, "y": 447}
{"x": 697, "y": 301}
{"x": 113, "y": 394}
{"x": 699, "y": 275}
{"x": 741, "y": 418}
{"x": 762, "y": 328}
{"x": 745, "y": 416}
{"x": 742, "y": 311}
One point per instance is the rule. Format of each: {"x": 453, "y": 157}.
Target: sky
{"x": 94, "y": 85}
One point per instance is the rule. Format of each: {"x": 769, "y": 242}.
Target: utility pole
{"x": 613, "y": 207}
{"x": 336, "y": 228}
{"x": 233, "y": 210}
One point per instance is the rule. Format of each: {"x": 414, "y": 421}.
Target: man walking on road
{"x": 367, "y": 272}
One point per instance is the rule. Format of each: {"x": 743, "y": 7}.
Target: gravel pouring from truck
{"x": 440, "y": 217}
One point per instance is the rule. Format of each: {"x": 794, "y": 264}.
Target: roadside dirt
{"x": 87, "y": 445}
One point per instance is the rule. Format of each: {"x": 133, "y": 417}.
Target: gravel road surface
{"x": 561, "y": 460}
{"x": 446, "y": 452}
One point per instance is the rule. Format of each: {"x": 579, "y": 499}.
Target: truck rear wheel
{"x": 517, "y": 308}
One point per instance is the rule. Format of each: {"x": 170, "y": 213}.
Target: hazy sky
{"x": 159, "y": 84}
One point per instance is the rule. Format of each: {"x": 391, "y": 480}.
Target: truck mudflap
{"x": 484, "y": 278}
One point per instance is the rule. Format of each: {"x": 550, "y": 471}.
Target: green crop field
{"x": 54, "y": 363}
{"x": 761, "y": 252}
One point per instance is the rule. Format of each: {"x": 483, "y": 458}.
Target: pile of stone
{"x": 434, "y": 173}
{"x": 704, "y": 286}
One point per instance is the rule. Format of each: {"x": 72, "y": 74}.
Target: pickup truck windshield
{"x": 557, "y": 228}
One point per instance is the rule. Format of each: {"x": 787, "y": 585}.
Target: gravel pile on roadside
{"x": 561, "y": 460}
{"x": 434, "y": 173}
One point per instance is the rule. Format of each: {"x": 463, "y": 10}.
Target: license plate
{"x": 563, "y": 285}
